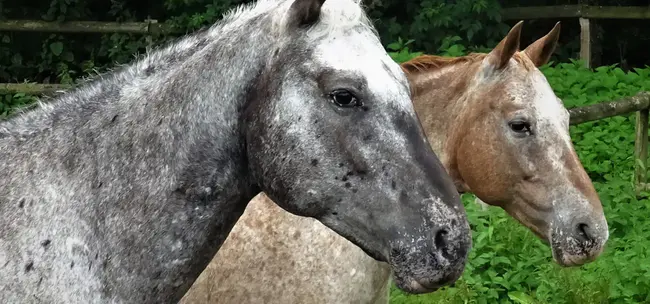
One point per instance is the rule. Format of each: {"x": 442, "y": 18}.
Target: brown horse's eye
{"x": 520, "y": 126}
{"x": 344, "y": 99}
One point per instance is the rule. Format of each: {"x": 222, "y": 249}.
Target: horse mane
{"x": 424, "y": 63}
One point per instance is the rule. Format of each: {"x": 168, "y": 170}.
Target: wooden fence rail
{"x": 576, "y": 11}
{"x": 148, "y": 27}
{"x": 31, "y": 88}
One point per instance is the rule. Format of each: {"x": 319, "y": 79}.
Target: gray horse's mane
{"x": 335, "y": 15}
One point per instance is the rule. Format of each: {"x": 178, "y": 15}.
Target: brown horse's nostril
{"x": 585, "y": 233}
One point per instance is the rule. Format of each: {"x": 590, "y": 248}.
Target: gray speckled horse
{"x": 122, "y": 190}
{"x": 502, "y": 134}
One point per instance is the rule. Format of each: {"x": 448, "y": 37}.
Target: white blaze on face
{"x": 549, "y": 117}
{"x": 356, "y": 50}
{"x": 360, "y": 53}
{"x": 349, "y": 43}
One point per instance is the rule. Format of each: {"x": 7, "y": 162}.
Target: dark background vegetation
{"x": 433, "y": 25}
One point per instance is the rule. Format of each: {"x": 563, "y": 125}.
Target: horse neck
{"x": 169, "y": 155}
{"x": 441, "y": 99}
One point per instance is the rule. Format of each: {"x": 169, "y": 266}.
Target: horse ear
{"x": 304, "y": 12}
{"x": 501, "y": 54}
{"x": 541, "y": 50}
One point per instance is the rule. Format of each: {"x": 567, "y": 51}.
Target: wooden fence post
{"x": 641, "y": 151}
{"x": 585, "y": 41}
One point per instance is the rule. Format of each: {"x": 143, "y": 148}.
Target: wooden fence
{"x": 639, "y": 103}
{"x": 148, "y": 27}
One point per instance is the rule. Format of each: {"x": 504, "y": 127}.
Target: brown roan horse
{"x": 501, "y": 133}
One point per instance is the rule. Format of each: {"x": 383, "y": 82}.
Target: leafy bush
{"x": 473, "y": 23}
{"x": 508, "y": 264}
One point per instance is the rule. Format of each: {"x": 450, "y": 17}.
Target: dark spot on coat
{"x": 29, "y": 266}
{"x": 71, "y": 264}
{"x": 393, "y": 184}
{"x": 368, "y": 137}
{"x": 345, "y": 178}
{"x": 180, "y": 191}
{"x": 314, "y": 162}
{"x": 315, "y": 121}
{"x": 348, "y": 185}
{"x": 355, "y": 190}
{"x": 341, "y": 165}
{"x": 365, "y": 108}
{"x": 21, "y": 203}
{"x": 149, "y": 70}
{"x": 114, "y": 118}
{"x": 157, "y": 274}
{"x": 46, "y": 243}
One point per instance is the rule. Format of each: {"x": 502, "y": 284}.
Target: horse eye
{"x": 520, "y": 126}
{"x": 344, "y": 99}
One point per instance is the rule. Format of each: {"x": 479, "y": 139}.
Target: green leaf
{"x": 395, "y": 46}
{"x": 521, "y": 297}
{"x": 68, "y": 56}
{"x": 56, "y": 48}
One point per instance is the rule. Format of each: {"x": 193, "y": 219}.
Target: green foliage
{"x": 10, "y": 103}
{"x": 509, "y": 264}
{"x": 63, "y": 58}
{"x": 474, "y": 23}
{"x": 201, "y": 13}
{"x": 400, "y": 51}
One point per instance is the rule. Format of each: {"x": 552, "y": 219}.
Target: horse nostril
{"x": 440, "y": 240}
{"x": 584, "y": 232}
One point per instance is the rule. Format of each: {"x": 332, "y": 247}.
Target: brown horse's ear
{"x": 501, "y": 54}
{"x": 541, "y": 50}
{"x": 304, "y": 12}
